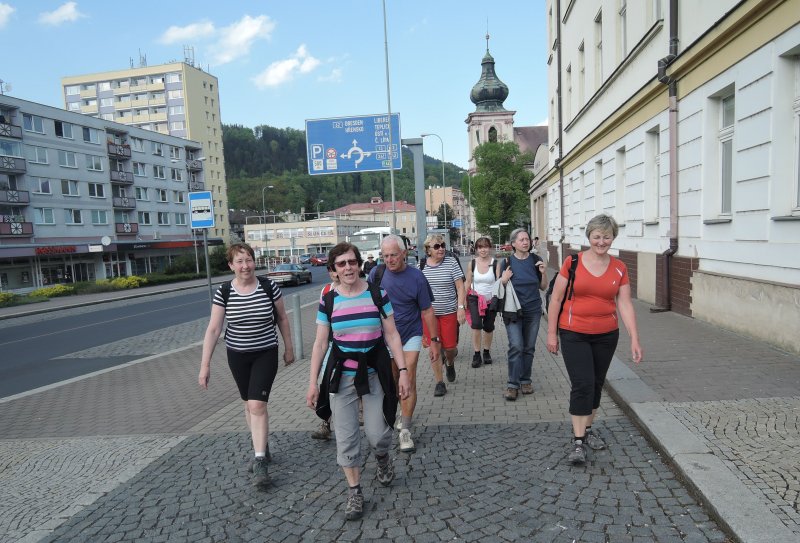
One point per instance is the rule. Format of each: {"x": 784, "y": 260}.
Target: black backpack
{"x": 374, "y": 291}
{"x": 266, "y": 285}
{"x": 573, "y": 265}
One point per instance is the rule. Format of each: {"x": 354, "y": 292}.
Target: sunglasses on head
{"x": 343, "y": 263}
{"x": 437, "y": 246}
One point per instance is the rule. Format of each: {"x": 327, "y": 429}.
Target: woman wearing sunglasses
{"x": 446, "y": 279}
{"x": 358, "y": 370}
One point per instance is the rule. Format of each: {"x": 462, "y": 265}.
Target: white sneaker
{"x": 398, "y": 424}
{"x": 406, "y": 443}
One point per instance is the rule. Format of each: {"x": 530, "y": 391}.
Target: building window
{"x": 89, "y": 87}
{"x": 598, "y": 186}
{"x": 10, "y": 148}
{"x": 99, "y": 216}
{"x": 619, "y": 192}
{"x": 568, "y": 101}
{"x": 69, "y": 187}
{"x": 73, "y": 216}
{"x": 727, "y": 115}
{"x": 163, "y": 218}
{"x": 107, "y": 116}
{"x": 94, "y": 163}
{"x": 97, "y": 190}
{"x": 139, "y": 169}
{"x": 104, "y": 86}
{"x": 72, "y": 90}
{"x": 598, "y": 50}
{"x": 91, "y": 135}
{"x": 144, "y": 218}
{"x": 622, "y": 31}
{"x": 137, "y": 144}
{"x": 493, "y": 135}
{"x": 67, "y": 159}
{"x": 32, "y": 123}
{"x": 158, "y": 149}
{"x": 581, "y": 75}
{"x": 63, "y": 130}
{"x": 141, "y": 193}
{"x": 175, "y": 94}
{"x": 180, "y": 219}
{"x": 106, "y": 102}
{"x": 176, "y": 110}
{"x": 174, "y": 78}
{"x": 177, "y": 175}
{"x": 161, "y": 195}
{"x": 174, "y": 152}
{"x": 41, "y": 185}
{"x": 74, "y": 106}
{"x": 177, "y": 197}
{"x": 652, "y": 174}
{"x": 37, "y": 155}
{"x": 177, "y": 125}
{"x": 44, "y": 215}
{"x": 158, "y": 172}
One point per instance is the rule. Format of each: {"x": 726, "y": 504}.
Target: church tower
{"x": 490, "y": 121}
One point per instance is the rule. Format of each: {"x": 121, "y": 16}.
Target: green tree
{"x": 500, "y": 186}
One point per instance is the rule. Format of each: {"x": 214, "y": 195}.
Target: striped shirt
{"x": 442, "y": 279}
{"x": 355, "y": 322}
{"x": 251, "y": 319}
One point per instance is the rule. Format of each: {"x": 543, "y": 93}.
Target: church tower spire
{"x": 489, "y": 92}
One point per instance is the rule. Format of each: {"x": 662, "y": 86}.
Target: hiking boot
{"x": 451, "y": 372}
{"x": 385, "y": 473}
{"x": 526, "y": 388}
{"x": 260, "y": 473}
{"x": 511, "y": 394}
{"x": 477, "y": 361}
{"x": 354, "y": 508}
{"x": 594, "y": 441}
{"x": 440, "y": 389}
{"x": 323, "y": 432}
{"x": 487, "y": 358}
{"x": 406, "y": 443}
{"x": 577, "y": 453}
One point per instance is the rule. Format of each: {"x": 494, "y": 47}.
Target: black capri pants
{"x": 587, "y": 358}
{"x": 254, "y": 372}
{"x": 485, "y": 322}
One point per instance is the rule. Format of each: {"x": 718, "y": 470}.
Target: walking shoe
{"x": 451, "y": 372}
{"x": 487, "y": 358}
{"x": 268, "y": 456}
{"x": 385, "y": 473}
{"x": 440, "y": 389}
{"x": 354, "y": 508}
{"x": 398, "y": 424}
{"x": 511, "y": 394}
{"x": 323, "y": 432}
{"x": 577, "y": 453}
{"x": 406, "y": 443}
{"x": 526, "y": 388}
{"x": 260, "y": 474}
{"x": 477, "y": 361}
{"x": 594, "y": 441}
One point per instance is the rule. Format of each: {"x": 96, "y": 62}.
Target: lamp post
{"x": 444, "y": 189}
{"x": 318, "y": 208}
{"x": 264, "y": 224}
{"x": 497, "y": 226}
{"x": 319, "y": 229}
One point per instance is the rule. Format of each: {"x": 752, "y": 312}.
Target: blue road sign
{"x": 201, "y": 208}
{"x": 457, "y": 223}
{"x": 353, "y": 144}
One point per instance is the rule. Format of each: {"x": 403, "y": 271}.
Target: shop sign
{"x": 56, "y": 250}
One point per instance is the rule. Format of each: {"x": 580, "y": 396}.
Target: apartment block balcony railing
{"x": 15, "y": 226}
{"x": 197, "y": 185}
{"x": 124, "y": 202}
{"x": 194, "y": 164}
{"x": 123, "y": 178}
{"x": 126, "y": 228}
{"x": 14, "y": 197}
{"x": 120, "y": 151}
{"x": 10, "y": 131}
{"x": 12, "y": 164}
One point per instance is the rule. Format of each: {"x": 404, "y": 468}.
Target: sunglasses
{"x": 342, "y": 263}
{"x": 437, "y": 246}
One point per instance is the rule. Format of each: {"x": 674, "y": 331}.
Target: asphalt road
{"x": 46, "y": 349}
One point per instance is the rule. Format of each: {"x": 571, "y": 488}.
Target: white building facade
{"x": 682, "y": 120}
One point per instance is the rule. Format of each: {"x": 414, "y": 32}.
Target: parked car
{"x": 319, "y": 259}
{"x": 305, "y": 259}
{"x": 290, "y": 274}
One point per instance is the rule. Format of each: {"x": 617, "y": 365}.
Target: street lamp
{"x": 498, "y": 232}
{"x": 319, "y": 230}
{"x": 264, "y": 224}
{"x": 318, "y": 208}
{"x": 444, "y": 190}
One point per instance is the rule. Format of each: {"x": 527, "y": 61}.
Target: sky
{"x": 280, "y": 63}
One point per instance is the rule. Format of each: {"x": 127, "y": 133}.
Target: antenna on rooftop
{"x": 188, "y": 55}
{"x": 142, "y": 60}
{"x": 131, "y": 61}
{"x": 5, "y": 87}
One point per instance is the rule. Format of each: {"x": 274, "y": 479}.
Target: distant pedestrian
{"x": 528, "y": 276}
{"x": 480, "y": 279}
{"x": 252, "y": 306}
{"x": 369, "y": 264}
{"x": 446, "y": 279}
{"x": 588, "y": 328}
{"x": 360, "y": 323}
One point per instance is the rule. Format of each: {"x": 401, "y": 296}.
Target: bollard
{"x": 297, "y": 329}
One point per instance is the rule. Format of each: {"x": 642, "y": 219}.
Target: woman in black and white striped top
{"x": 252, "y": 307}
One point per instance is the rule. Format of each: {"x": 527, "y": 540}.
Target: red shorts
{"x": 448, "y": 331}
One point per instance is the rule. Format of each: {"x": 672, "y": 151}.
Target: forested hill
{"x": 258, "y": 157}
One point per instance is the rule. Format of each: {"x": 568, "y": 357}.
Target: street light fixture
{"x": 498, "y": 232}
{"x": 318, "y": 208}
{"x": 264, "y": 224}
{"x": 444, "y": 190}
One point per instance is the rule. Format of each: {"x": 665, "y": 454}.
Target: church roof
{"x": 529, "y": 138}
{"x": 489, "y": 92}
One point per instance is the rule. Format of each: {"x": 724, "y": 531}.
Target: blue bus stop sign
{"x": 353, "y": 144}
{"x": 201, "y": 209}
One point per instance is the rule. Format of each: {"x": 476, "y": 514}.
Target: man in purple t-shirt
{"x": 411, "y": 299}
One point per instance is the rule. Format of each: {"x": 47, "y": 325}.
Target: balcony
{"x": 194, "y": 164}
{"x": 124, "y": 202}
{"x": 119, "y": 151}
{"x": 89, "y": 93}
{"x": 15, "y": 226}
{"x": 156, "y": 86}
{"x": 89, "y": 109}
{"x": 12, "y": 164}
{"x": 10, "y": 131}
{"x": 14, "y": 197}
{"x": 197, "y": 185}
{"x": 126, "y": 228}
{"x": 123, "y": 178}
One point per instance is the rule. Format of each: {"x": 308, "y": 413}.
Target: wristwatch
{"x": 462, "y": 307}
{"x": 436, "y": 339}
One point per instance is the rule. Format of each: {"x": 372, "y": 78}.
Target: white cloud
{"x": 283, "y": 71}
{"x": 188, "y": 33}
{"x": 5, "y": 14}
{"x": 334, "y": 77}
{"x": 235, "y": 40}
{"x": 65, "y": 14}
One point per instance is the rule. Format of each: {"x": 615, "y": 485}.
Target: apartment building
{"x": 176, "y": 99}
{"x": 83, "y": 198}
{"x": 380, "y": 212}
{"x": 682, "y": 120}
